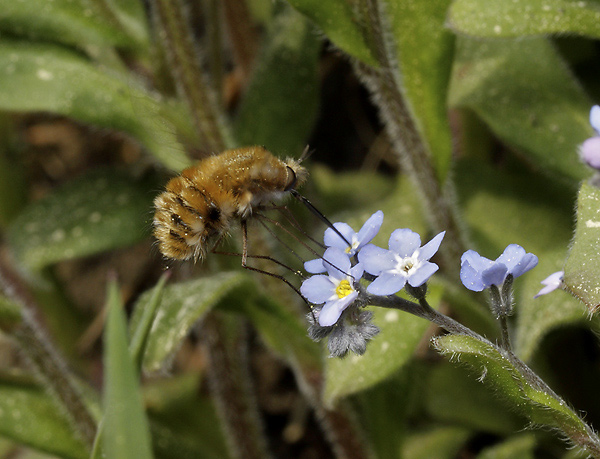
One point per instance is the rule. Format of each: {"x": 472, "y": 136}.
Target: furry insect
{"x": 199, "y": 206}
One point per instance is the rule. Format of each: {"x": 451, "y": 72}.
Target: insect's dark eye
{"x": 292, "y": 183}
{"x": 214, "y": 213}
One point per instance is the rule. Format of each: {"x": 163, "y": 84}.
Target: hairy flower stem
{"x": 588, "y": 441}
{"x": 176, "y": 37}
{"x": 385, "y": 85}
{"x": 49, "y": 366}
{"x": 230, "y": 381}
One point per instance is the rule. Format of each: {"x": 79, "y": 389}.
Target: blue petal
{"x": 370, "y": 229}
{"x": 332, "y": 239}
{"x": 314, "y": 266}
{"x": 332, "y": 310}
{"x": 495, "y": 275}
{"x": 357, "y": 271}
{"x": 470, "y": 277}
{"x": 511, "y": 256}
{"x": 429, "y": 249}
{"x": 337, "y": 263}
{"x": 517, "y": 260}
{"x": 476, "y": 261}
{"x": 375, "y": 259}
{"x": 595, "y": 118}
{"x": 387, "y": 284}
{"x": 421, "y": 275}
{"x": 317, "y": 289}
{"x": 552, "y": 282}
{"x": 529, "y": 261}
{"x": 404, "y": 242}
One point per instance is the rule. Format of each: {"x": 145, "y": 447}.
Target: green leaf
{"x": 494, "y": 201}
{"x": 282, "y": 330}
{"x": 441, "y": 443}
{"x": 384, "y": 411}
{"x": 132, "y": 18}
{"x": 44, "y": 77}
{"x": 455, "y": 398}
{"x": 102, "y": 210}
{"x": 386, "y": 353}
{"x": 583, "y": 268}
{"x": 180, "y": 307}
{"x": 339, "y": 23}
{"x": 78, "y": 23}
{"x": 425, "y": 51}
{"x": 524, "y": 91}
{"x": 125, "y": 431}
{"x": 500, "y": 374}
{"x": 534, "y": 17}
{"x": 286, "y": 71}
{"x": 537, "y": 317}
{"x": 29, "y": 416}
{"x": 148, "y": 314}
{"x": 520, "y": 446}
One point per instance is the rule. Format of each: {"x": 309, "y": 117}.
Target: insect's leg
{"x": 245, "y": 257}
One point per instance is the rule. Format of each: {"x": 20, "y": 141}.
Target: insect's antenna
{"x": 307, "y": 153}
{"x": 318, "y": 214}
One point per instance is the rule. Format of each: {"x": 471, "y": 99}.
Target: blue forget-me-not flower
{"x": 478, "y": 273}
{"x": 336, "y": 289}
{"x": 357, "y": 240}
{"x": 405, "y": 262}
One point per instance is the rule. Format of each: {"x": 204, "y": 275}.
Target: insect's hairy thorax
{"x": 200, "y": 205}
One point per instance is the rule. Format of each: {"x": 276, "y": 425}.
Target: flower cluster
{"x": 339, "y": 297}
{"x": 336, "y": 283}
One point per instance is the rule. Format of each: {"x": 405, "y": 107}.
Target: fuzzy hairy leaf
{"x": 99, "y": 211}
{"x": 50, "y": 78}
{"x": 525, "y": 93}
{"x": 582, "y": 270}
{"x": 338, "y": 21}
{"x": 286, "y": 71}
{"x": 500, "y": 374}
{"x": 179, "y": 308}
{"x": 424, "y": 50}
{"x": 29, "y": 416}
{"x": 535, "y": 17}
{"x": 76, "y": 23}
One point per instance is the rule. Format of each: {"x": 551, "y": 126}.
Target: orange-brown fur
{"x": 199, "y": 205}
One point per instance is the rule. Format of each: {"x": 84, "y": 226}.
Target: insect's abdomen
{"x": 199, "y": 206}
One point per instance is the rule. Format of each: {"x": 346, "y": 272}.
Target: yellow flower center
{"x": 343, "y": 289}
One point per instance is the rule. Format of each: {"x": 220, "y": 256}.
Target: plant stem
{"x": 385, "y": 86}
{"x": 49, "y": 366}
{"x": 505, "y": 339}
{"x": 230, "y": 385}
{"x": 177, "y": 40}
